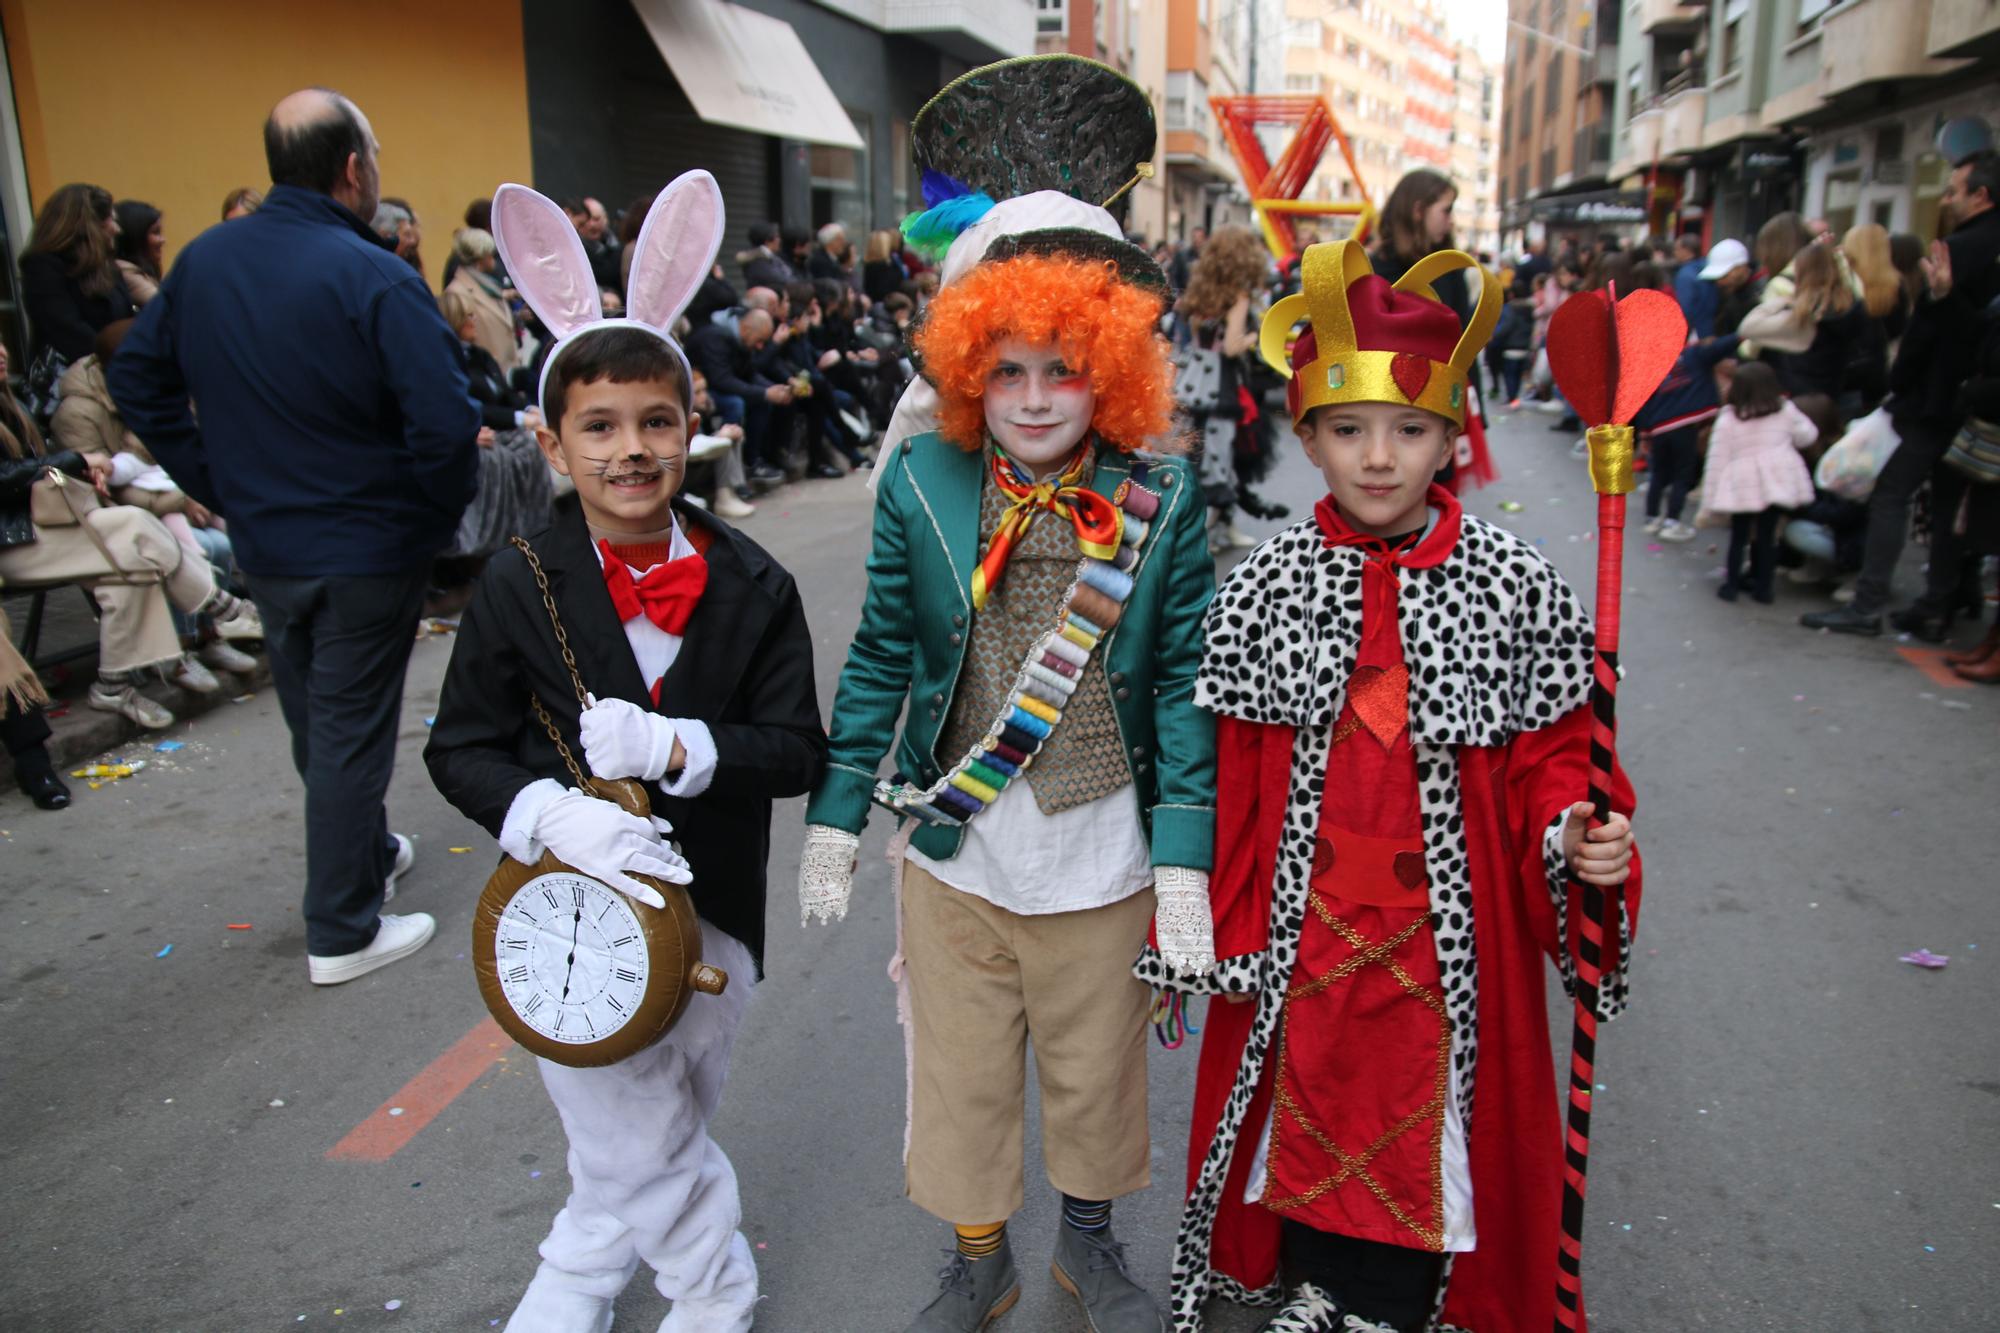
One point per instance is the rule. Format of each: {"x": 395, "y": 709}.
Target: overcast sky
{"x": 1484, "y": 22}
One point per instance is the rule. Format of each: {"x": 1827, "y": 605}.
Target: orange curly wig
{"x": 1106, "y": 327}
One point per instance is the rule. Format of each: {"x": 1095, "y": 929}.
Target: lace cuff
{"x": 826, "y": 873}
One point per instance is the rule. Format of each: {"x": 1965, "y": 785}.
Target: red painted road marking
{"x": 417, "y": 1103}
{"x": 1930, "y": 661}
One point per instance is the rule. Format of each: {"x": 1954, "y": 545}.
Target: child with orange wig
{"x": 1034, "y": 610}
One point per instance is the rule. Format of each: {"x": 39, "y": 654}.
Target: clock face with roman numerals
{"x": 571, "y": 957}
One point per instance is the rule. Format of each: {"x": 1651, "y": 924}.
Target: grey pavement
{"x": 1796, "y": 1131}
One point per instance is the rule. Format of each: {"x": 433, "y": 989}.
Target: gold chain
{"x": 569, "y": 661}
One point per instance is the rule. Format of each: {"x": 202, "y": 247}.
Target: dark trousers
{"x": 1952, "y": 579}
{"x": 339, "y": 647}
{"x": 1889, "y": 510}
{"x": 1386, "y": 1283}
{"x": 1754, "y": 535}
{"x": 1671, "y": 470}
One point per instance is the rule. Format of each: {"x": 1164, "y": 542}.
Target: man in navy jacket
{"x": 337, "y": 435}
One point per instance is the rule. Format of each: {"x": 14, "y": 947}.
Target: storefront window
{"x": 1932, "y": 174}
{"x": 1843, "y": 194}
{"x": 840, "y": 182}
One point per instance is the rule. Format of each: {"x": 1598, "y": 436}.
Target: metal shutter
{"x": 659, "y": 137}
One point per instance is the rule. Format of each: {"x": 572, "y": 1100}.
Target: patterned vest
{"x": 1084, "y": 758}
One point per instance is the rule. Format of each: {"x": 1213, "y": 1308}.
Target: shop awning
{"x": 746, "y": 70}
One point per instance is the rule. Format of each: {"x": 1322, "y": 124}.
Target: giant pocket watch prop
{"x": 571, "y": 968}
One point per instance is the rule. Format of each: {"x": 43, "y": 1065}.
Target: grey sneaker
{"x": 1090, "y": 1266}
{"x": 123, "y": 697}
{"x": 970, "y": 1295}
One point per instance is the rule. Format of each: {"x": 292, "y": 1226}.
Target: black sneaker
{"x": 1310, "y": 1310}
{"x": 1843, "y": 620}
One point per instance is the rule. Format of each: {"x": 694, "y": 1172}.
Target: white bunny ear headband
{"x": 671, "y": 259}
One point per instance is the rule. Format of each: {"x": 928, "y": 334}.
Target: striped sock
{"x": 1087, "y": 1214}
{"x": 982, "y": 1241}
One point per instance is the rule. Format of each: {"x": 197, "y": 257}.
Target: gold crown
{"x": 1341, "y": 371}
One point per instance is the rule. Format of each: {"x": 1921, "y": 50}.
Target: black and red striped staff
{"x": 1608, "y": 357}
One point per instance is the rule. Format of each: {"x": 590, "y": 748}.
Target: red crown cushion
{"x": 1385, "y": 320}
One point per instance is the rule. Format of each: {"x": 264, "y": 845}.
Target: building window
{"x": 840, "y": 181}
{"x": 1733, "y": 13}
{"x": 1187, "y": 102}
{"x": 1810, "y": 12}
{"x": 1052, "y": 18}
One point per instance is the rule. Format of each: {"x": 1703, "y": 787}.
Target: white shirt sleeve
{"x": 699, "y": 770}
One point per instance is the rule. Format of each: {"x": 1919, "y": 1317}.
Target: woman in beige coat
{"x": 54, "y": 529}
{"x": 492, "y": 318}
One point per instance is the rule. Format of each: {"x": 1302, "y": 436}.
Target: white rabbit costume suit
{"x": 647, "y": 1182}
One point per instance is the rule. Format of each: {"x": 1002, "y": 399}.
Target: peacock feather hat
{"x": 1041, "y": 150}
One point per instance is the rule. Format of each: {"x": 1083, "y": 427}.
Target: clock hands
{"x": 575, "y": 926}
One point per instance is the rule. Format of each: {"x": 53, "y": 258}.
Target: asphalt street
{"x": 1796, "y": 1130}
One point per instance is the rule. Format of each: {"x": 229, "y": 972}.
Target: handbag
{"x": 1975, "y": 451}
{"x": 59, "y": 500}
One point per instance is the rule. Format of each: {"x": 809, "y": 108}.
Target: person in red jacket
{"x": 1403, "y": 746}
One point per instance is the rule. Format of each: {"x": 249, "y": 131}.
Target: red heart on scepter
{"x": 1608, "y": 364}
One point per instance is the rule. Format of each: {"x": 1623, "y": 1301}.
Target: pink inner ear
{"x": 676, "y": 248}
{"x": 545, "y": 260}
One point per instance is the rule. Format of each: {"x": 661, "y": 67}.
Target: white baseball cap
{"x": 1725, "y": 256}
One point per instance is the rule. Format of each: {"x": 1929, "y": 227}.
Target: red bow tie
{"x": 666, "y": 595}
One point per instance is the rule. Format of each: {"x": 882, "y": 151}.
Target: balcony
{"x": 1672, "y": 15}
{"x": 1875, "y": 41}
{"x": 1683, "y": 116}
{"x": 1964, "y": 28}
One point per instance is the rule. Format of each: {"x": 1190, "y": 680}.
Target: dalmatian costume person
{"x": 1402, "y": 738}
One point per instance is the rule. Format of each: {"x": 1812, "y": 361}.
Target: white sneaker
{"x": 730, "y": 505}
{"x": 124, "y": 698}
{"x": 398, "y": 937}
{"x": 1553, "y": 406}
{"x": 245, "y": 624}
{"x": 1654, "y": 524}
{"x": 406, "y": 855}
{"x": 1581, "y": 449}
{"x": 1673, "y": 530}
{"x": 218, "y": 654}
{"x": 192, "y": 676}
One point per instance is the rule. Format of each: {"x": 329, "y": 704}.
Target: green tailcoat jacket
{"x": 915, "y": 624}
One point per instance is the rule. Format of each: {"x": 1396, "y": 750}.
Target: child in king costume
{"x": 1036, "y": 590}
{"x": 694, "y": 646}
{"x": 1403, "y": 745}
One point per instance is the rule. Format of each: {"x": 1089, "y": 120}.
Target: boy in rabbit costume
{"x": 693, "y": 645}
{"x": 1035, "y": 594}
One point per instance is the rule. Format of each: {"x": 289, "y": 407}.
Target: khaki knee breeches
{"x": 984, "y": 982}
{"x": 137, "y": 629}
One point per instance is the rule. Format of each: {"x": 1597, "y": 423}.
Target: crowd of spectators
{"x": 1887, "y": 346}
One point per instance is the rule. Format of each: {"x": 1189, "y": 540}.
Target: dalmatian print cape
{"x": 1497, "y": 644}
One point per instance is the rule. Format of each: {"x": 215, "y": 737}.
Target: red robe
{"x": 1510, "y": 795}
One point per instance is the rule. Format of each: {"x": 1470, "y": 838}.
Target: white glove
{"x": 606, "y": 843}
{"x": 623, "y": 740}
{"x": 1182, "y": 920}
{"x": 826, "y": 873}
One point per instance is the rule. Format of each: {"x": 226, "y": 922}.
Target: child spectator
{"x": 1754, "y": 474}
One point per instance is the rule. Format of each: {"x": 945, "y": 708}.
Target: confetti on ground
{"x": 277, "y": 1102}
{"x": 534, "y": 1175}
{"x": 1511, "y": 506}
{"x": 164, "y": 952}
{"x": 395, "y": 1110}
{"x": 237, "y": 925}
{"x": 102, "y": 773}
{"x": 168, "y": 747}
{"x": 457, "y": 851}
{"x": 1655, "y": 548}
{"x": 1925, "y": 958}
{"x": 244, "y": 698}
{"x": 392, "y": 1305}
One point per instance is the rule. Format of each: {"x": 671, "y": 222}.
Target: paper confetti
{"x": 237, "y": 925}
{"x": 459, "y": 851}
{"x": 392, "y": 1305}
{"x": 168, "y": 747}
{"x": 1925, "y": 958}
{"x": 164, "y": 952}
{"x": 1511, "y": 506}
{"x": 395, "y": 1110}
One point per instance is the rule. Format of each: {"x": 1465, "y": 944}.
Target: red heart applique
{"x": 1651, "y": 334}
{"x": 1411, "y": 373}
{"x": 1409, "y": 867}
{"x": 1381, "y": 699}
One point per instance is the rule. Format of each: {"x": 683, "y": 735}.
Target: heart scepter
{"x": 1608, "y": 356}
